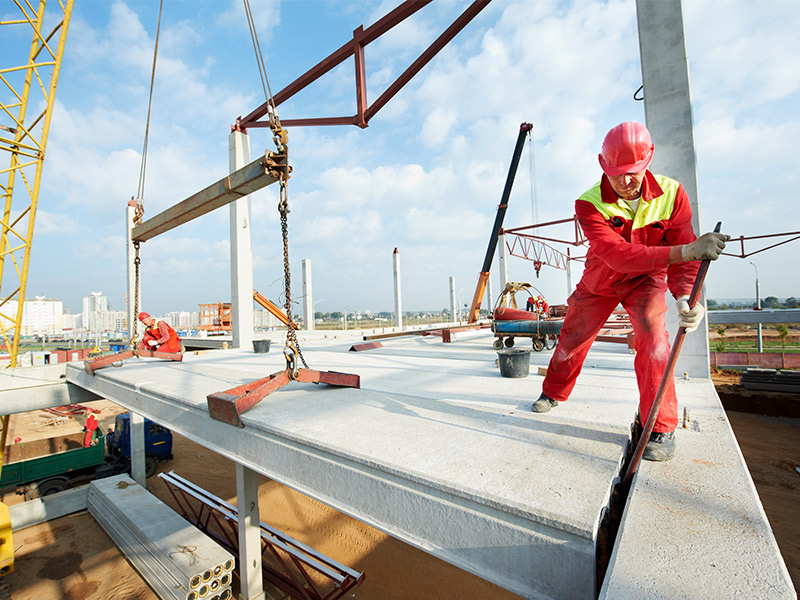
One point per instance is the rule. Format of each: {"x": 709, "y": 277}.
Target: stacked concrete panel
{"x": 177, "y": 560}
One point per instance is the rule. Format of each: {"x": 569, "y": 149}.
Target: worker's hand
{"x": 689, "y": 318}
{"x": 151, "y": 343}
{"x": 707, "y": 247}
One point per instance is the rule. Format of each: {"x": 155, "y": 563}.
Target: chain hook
{"x": 290, "y": 352}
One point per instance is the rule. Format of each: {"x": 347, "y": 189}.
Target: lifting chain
{"x": 134, "y": 318}
{"x": 292, "y": 350}
{"x": 138, "y": 214}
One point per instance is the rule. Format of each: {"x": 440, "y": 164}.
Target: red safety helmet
{"x": 626, "y": 149}
{"x": 143, "y": 315}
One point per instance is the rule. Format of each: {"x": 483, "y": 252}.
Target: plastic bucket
{"x": 514, "y": 362}
{"x": 261, "y": 346}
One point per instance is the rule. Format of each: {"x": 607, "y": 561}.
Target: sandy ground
{"x": 72, "y": 558}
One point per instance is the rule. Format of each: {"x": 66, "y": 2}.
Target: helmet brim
{"x": 617, "y": 170}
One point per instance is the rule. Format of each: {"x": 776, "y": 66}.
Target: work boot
{"x": 543, "y": 404}
{"x": 660, "y": 447}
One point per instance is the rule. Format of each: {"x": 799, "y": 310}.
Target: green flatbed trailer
{"x": 53, "y": 473}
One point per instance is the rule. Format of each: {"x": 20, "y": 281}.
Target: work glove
{"x": 689, "y": 318}
{"x": 151, "y": 343}
{"x": 707, "y": 246}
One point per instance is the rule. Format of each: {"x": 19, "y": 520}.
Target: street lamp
{"x": 313, "y": 315}
{"x": 758, "y": 307}
{"x": 458, "y": 306}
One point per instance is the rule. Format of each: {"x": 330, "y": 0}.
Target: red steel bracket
{"x": 98, "y": 363}
{"x": 228, "y": 406}
{"x": 365, "y": 346}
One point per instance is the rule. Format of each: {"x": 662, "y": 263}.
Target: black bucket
{"x": 261, "y": 346}
{"x": 514, "y": 362}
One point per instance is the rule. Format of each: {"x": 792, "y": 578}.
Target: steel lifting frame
{"x": 534, "y": 248}
{"x": 741, "y": 240}
{"x": 229, "y": 405}
{"x": 355, "y": 48}
{"x": 90, "y": 366}
{"x": 288, "y": 564}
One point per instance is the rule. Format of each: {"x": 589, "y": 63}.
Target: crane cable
{"x": 139, "y": 210}
{"x": 281, "y": 137}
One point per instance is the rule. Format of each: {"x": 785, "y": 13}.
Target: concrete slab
{"x": 32, "y": 388}
{"x": 694, "y": 527}
{"x": 436, "y": 449}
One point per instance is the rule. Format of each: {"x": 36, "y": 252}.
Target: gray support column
{"x": 503, "y": 261}
{"x": 668, "y": 111}
{"x": 398, "y": 302}
{"x": 241, "y": 250}
{"x": 137, "y": 449}
{"x": 308, "y": 304}
{"x": 453, "y": 314}
{"x": 133, "y": 321}
{"x": 251, "y": 586}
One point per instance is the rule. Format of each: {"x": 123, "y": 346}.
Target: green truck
{"x": 52, "y": 473}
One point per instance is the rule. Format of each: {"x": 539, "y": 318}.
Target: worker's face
{"x": 148, "y": 321}
{"x": 627, "y": 186}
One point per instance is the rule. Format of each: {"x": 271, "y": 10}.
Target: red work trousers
{"x": 588, "y": 312}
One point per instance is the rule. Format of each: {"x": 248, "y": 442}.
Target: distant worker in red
{"x": 641, "y": 243}
{"x": 90, "y": 431}
{"x": 159, "y": 335}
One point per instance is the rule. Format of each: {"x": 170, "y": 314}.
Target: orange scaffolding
{"x": 215, "y": 317}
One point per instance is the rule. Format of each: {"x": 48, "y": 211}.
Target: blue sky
{"x": 427, "y": 174}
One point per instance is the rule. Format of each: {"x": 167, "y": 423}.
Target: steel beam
{"x": 258, "y": 174}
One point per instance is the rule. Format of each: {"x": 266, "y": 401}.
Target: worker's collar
{"x": 650, "y": 189}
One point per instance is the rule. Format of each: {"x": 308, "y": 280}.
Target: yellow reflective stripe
{"x": 660, "y": 208}
{"x": 607, "y": 209}
{"x": 657, "y": 209}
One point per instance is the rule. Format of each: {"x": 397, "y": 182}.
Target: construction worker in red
{"x": 641, "y": 243}
{"x": 158, "y": 335}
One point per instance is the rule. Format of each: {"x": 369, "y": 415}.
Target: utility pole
{"x": 758, "y": 307}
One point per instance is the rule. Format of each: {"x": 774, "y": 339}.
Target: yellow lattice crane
{"x": 28, "y": 82}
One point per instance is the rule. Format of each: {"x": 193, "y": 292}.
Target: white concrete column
{"x": 668, "y": 111}
{"x": 570, "y": 287}
{"x": 241, "y": 250}
{"x": 453, "y": 307}
{"x": 308, "y": 304}
{"x": 502, "y": 260}
{"x": 137, "y": 449}
{"x": 398, "y": 303}
{"x": 251, "y": 584}
{"x": 490, "y": 296}
{"x": 133, "y": 322}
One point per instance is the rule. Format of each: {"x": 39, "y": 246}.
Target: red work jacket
{"x": 625, "y": 248}
{"x": 166, "y": 338}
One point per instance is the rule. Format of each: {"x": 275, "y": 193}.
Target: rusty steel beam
{"x": 250, "y": 178}
{"x": 90, "y": 366}
{"x": 355, "y": 48}
{"x": 228, "y": 406}
{"x": 365, "y": 346}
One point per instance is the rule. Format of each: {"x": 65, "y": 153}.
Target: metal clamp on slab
{"x": 98, "y": 363}
{"x": 228, "y": 406}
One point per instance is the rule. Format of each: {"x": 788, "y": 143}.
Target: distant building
{"x": 71, "y": 322}
{"x": 40, "y": 316}
{"x": 110, "y": 320}
{"x": 179, "y": 319}
{"x": 263, "y": 319}
{"x": 96, "y": 303}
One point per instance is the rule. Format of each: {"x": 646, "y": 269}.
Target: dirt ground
{"x": 72, "y": 558}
